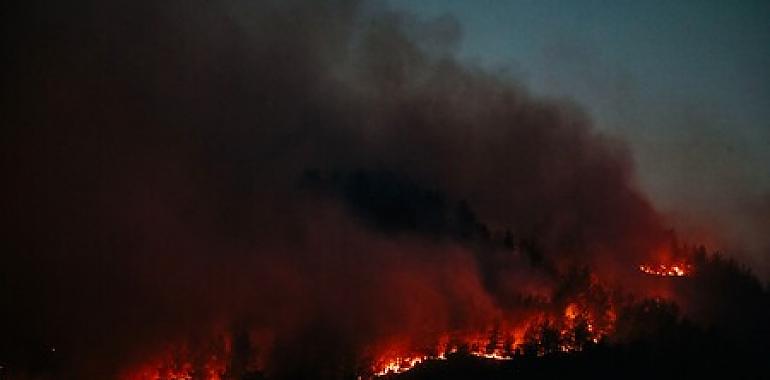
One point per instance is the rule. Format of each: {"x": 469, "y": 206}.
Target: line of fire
{"x": 592, "y": 318}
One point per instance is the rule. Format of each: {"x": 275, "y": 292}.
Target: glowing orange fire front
{"x": 179, "y": 363}
{"x": 401, "y": 364}
{"x": 664, "y": 270}
{"x": 570, "y": 324}
{"x": 568, "y": 332}
{"x": 213, "y": 370}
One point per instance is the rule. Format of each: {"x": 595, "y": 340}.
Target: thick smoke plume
{"x": 324, "y": 173}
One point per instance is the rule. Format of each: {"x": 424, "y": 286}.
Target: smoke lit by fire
{"x": 573, "y": 329}
{"x": 178, "y": 363}
{"x": 346, "y": 197}
{"x": 579, "y": 325}
{"x": 570, "y": 332}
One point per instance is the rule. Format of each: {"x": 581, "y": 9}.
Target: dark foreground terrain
{"x": 685, "y": 360}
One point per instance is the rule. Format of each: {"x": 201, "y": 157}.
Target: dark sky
{"x": 685, "y": 83}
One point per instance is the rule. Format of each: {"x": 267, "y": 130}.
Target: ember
{"x": 673, "y": 270}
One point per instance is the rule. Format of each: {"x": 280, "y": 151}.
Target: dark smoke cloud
{"x": 156, "y": 160}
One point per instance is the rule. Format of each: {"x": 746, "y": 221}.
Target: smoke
{"x": 325, "y": 173}
{"x": 712, "y": 201}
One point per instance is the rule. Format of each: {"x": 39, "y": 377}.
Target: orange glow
{"x": 664, "y": 270}
{"x": 567, "y": 325}
{"x": 178, "y": 363}
{"x": 577, "y": 324}
{"x": 575, "y": 327}
{"x": 401, "y": 364}
{"x": 214, "y": 369}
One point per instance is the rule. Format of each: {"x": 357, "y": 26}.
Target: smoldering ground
{"x": 156, "y": 159}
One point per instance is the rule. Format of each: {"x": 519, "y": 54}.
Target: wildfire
{"x": 179, "y": 363}
{"x": 185, "y": 371}
{"x": 579, "y": 325}
{"x": 214, "y": 369}
{"x": 569, "y": 324}
{"x": 664, "y": 270}
{"x": 402, "y": 364}
{"x": 568, "y": 332}
{"x": 546, "y": 333}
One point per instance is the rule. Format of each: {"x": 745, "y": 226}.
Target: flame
{"x": 402, "y": 364}
{"x": 664, "y": 270}
{"x": 577, "y": 324}
{"x": 214, "y": 369}
{"x": 576, "y": 317}
{"x": 558, "y": 326}
{"x": 179, "y": 363}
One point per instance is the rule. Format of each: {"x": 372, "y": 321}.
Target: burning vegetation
{"x": 625, "y": 331}
{"x": 567, "y": 333}
{"x": 581, "y": 314}
{"x": 319, "y": 190}
{"x": 672, "y": 270}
